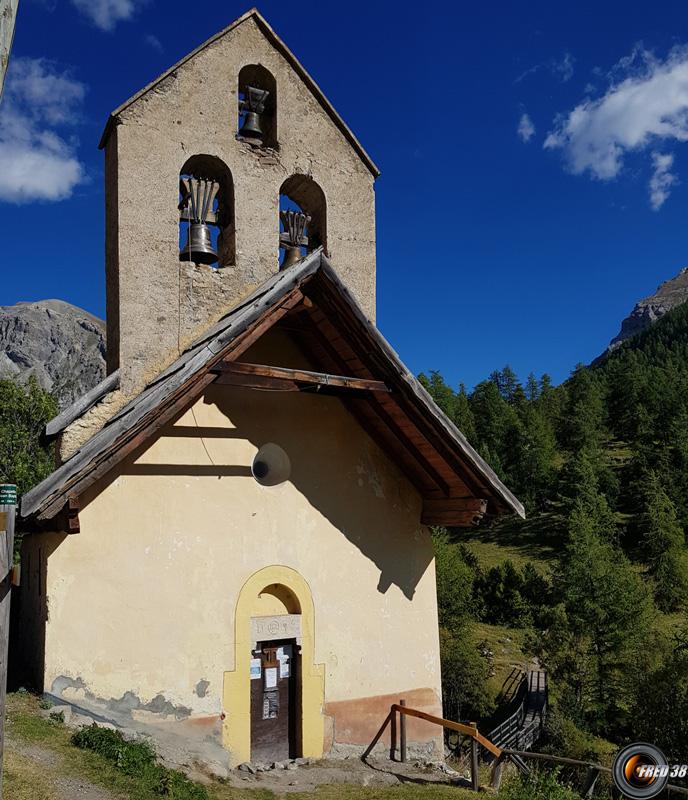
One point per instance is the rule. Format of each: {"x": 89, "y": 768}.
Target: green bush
{"x": 542, "y": 785}
{"x": 138, "y": 759}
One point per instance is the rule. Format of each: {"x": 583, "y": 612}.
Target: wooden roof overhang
{"x": 359, "y": 366}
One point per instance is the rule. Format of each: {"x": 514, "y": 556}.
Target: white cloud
{"x": 561, "y": 68}
{"x": 526, "y": 128}
{"x": 105, "y": 14}
{"x": 564, "y": 67}
{"x": 45, "y": 93}
{"x": 152, "y": 41}
{"x": 647, "y": 106}
{"x": 36, "y": 163}
{"x": 662, "y": 179}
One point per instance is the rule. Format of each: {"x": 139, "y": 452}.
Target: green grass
{"x": 25, "y": 780}
{"x": 507, "y": 654}
{"x": 538, "y": 539}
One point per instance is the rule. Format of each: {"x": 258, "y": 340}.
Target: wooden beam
{"x": 459, "y": 511}
{"x": 72, "y": 509}
{"x": 297, "y": 376}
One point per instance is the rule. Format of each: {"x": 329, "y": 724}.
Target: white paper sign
{"x": 270, "y": 677}
{"x": 255, "y": 668}
{"x": 284, "y": 657}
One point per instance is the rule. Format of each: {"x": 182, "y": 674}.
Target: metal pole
{"x": 402, "y": 733}
{"x": 8, "y": 503}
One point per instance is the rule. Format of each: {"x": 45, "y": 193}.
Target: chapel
{"x": 233, "y": 553}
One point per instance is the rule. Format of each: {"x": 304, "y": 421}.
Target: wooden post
{"x": 474, "y": 759}
{"x": 590, "y": 782}
{"x": 393, "y": 737}
{"x": 8, "y": 502}
{"x": 370, "y": 747}
{"x": 402, "y": 733}
{"x": 496, "y": 781}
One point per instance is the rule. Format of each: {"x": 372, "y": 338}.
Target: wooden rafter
{"x": 264, "y": 376}
{"x": 453, "y": 511}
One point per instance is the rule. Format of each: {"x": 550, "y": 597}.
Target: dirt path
{"x": 39, "y": 773}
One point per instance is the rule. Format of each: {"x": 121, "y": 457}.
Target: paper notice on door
{"x": 284, "y": 657}
{"x": 255, "y": 668}
{"x": 270, "y": 677}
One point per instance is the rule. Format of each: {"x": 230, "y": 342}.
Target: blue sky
{"x": 534, "y": 158}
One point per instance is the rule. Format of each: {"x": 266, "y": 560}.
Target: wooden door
{"x": 274, "y": 716}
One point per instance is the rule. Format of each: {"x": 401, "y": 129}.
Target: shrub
{"x": 138, "y": 759}
{"x": 542, "y": 785}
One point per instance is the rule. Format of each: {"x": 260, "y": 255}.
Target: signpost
{"x": 8, "y": 505}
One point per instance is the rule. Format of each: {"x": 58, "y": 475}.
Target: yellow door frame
{"x": 236, "y": 730}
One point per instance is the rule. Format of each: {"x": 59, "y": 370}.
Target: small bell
{"x": 199, "y": 245}
{"x": 198, "y": 197}
{"x": 253, "y": 106}
{"x": 291, "y": 256}
{"x": 251, "y": 128}
{"x": 294, "y": 236}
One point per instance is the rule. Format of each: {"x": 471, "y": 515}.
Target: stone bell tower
{"x": 226, "y": 165}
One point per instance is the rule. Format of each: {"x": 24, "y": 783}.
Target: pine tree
{"x": 533, "y": 455}
{"x": 609, "y": 614}
{"x": 584, "y": 424}
{"x": 532, "y": 388}
{"x": 664, "y": 545}
{"x": 506, "y": 382}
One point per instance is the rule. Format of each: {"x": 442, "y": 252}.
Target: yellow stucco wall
{"x": 142, "y": 602}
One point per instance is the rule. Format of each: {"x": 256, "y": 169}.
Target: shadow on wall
{"x": 325, "y": 470}
{"x": 29, "y": 613}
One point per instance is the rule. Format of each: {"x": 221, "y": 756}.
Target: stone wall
{"x": 156, "y": 304}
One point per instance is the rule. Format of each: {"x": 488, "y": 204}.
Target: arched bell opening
{"x": 303, "y": 219}
{"x": 257, "y": 106}
{"x": 206, "y": 212}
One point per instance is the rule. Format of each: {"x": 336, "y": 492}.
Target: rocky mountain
{"x": 669, "y": 294}
{"x": 62, "y": 345}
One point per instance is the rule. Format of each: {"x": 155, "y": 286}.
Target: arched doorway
{"x": 273, "y": 698}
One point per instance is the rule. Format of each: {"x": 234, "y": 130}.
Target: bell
{"x": 293, "y": 237}
{"x": 253, "y": 105}
{"x": 251, "y": 128}
{"x": 199, "y": 245}
{"x": 291, "y": 256}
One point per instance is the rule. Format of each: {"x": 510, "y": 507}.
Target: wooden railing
{"x": 523, "y": 716}
{"x": 398, "y": 713}
{"x": 397, "y": 720}
{"x": 592, "y": 774}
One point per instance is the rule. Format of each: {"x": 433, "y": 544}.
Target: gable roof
{"x": 291, "y": 59}
{"x": 435, "y": 455}
{"x": 81, "y": 405}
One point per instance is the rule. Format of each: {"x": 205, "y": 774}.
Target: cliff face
{"x": 61, "y": 345}
{"x": 670, "y": 294}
